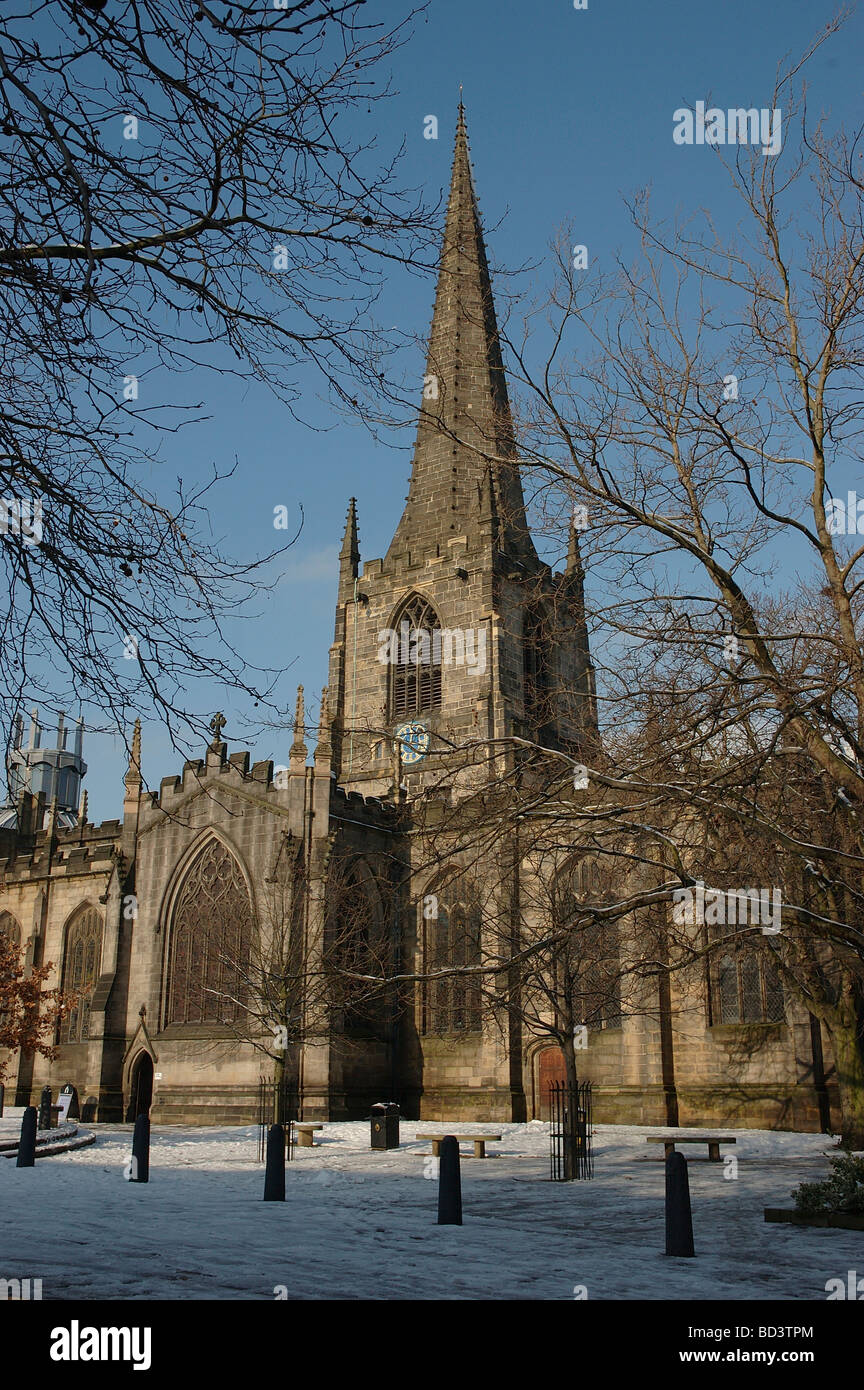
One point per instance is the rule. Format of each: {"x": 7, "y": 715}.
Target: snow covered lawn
{"x": 358, "y": 1224}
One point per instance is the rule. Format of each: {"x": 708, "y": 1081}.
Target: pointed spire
{"x": 133, "y": 772}
{"x": 82, "y": 809}
{"x": 574, "y": 574}
{"x": 324, "y": 747}
{"x": 574, "y": 555}
{"x": 349, "y": 555}
{"x": 298, "y": 748}
{"x": 465, "y": 415}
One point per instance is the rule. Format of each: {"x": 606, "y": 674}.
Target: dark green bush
{"x": 843, "y": 1191}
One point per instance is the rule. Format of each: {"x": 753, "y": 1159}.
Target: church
{"x": 237, "y": 880}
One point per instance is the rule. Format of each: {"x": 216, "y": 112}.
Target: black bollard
{"x": 45, "y": 1108}
{"x": 274, "y": 1176}
{"x": 679, "y": 1221}
{"x": 27, "y": 1142}
{"x": 2, "y": 1098}
{"x": 449, "y": 1184}
{"x": 139, "y": 1168}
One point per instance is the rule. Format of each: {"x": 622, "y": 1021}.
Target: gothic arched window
{"x": 415, "y": 680}
{"x": 358, "y": 947}
{"x": 81, "y": 962}
{"x": 211, "y": 939}
{"x": 10, "y": 929}
{"x": 535, "y": 668}
{"x": 587, "y": 963}
{"x": 451, "y": 918}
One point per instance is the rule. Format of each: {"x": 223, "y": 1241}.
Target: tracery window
{"x": 10, "y": 928}
{"x": 358, "y": 947}
{"x": 81, "y": 962}
{"x": 535, "y": 669}
{"x": 211, "y": 941}
{"x": 744, "y": 984}
{"x": 453, "y": 939}
{"x": 588, "y": 962}
{"x": 415, "y": 682}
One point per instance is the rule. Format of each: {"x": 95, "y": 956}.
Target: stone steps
{"x": 48, "y": 1141}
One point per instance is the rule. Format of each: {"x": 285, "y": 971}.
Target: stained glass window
{"x": 81, "y": 965}
{"x": 535, "y": 669}
{"x": 588, "y": 962}
{"x": 453, "y": 1002}
{"x": 210, "y": 941}
{"x": 10, "y": 928}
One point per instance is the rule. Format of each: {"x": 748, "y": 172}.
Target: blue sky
{"x": 568, "y": 113}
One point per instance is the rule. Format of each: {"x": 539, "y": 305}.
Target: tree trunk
{"x": 568, "y": 1051}
{"x": 571, "y": 1127}
{"x": 844, "y": 1030}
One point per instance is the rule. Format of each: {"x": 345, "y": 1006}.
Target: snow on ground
{"x": 359, "y": 1224}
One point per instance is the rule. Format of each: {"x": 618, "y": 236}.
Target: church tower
{"x": 461, "y": 633}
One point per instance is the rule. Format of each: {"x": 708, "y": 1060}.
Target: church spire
{"x": 349, "y": 555}
{"x": 465, "y": 424}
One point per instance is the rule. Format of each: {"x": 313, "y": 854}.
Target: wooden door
{"x": 550, "y": 1068}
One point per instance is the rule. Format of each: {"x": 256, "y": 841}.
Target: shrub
{"x": 843, "y": 1191}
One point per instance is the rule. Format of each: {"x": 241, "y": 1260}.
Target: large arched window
{"x": 587, "y": 962}
{"x": 10, "y": 929}
{"x": 11, "y": 932}
{"x": 451, "y": 918}
{"x": 211, "y": 939}
{"x": 81, "y": 962}
{"x": 358, "y": 945}
{"x": 536, "y": 682}
{"x": 415, "y": 680}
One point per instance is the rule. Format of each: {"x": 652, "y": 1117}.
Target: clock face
{"x": 413, "y": 740}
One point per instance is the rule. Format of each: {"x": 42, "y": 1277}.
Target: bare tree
{"x": 184, "y": 185}
{"x": 712, "y": 439}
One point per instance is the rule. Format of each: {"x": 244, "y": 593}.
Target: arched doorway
{"x": 141, "y": 1086}
{"x": 549, "y": 1067}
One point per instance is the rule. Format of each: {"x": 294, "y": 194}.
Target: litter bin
{"x": 385, "y": 1125}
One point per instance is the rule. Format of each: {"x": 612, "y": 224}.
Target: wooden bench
{"x": 712, "y": 1140}
{"x": 478, "y": 1140}
{"x": 304, "y": 1134}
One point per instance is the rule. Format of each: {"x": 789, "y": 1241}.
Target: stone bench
{"x": 304, "y": 1133}
{"x": 712, "y": 1140}
{"x": 478, "y": 1140}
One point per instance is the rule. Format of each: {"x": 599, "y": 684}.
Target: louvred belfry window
{"x": 210, "y": 941}
{"x": 80, "y": 972}
{"x": 416, "y": 684}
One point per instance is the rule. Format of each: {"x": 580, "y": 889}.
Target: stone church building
{"x": 442, "y": 652}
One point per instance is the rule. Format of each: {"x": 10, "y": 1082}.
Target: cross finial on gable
{"x": 216, "y": 725}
